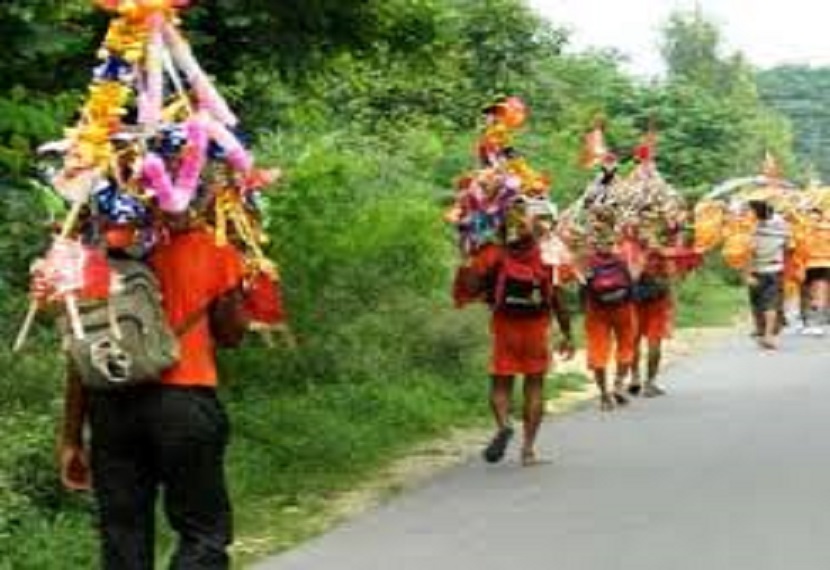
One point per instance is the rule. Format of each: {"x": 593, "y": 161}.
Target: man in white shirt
{"x": 765, "y": 273}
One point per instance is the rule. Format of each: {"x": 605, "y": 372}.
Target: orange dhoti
{"x": 521, "y": 344}
{"x": 654, "y": 319}
{"x": 606, "y": 326}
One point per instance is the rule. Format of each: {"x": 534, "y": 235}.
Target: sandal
{"x": 494, "y": 452}
{"x": 620, "y": 399}
{"x": 635, "y": 389}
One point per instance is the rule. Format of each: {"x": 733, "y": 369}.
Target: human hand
{"x": 40, "y": 288}
{"x": 566, "y": 349}
{"x": 74, "y": 468}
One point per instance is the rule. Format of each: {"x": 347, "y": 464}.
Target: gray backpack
{"x": 127, "y": 339}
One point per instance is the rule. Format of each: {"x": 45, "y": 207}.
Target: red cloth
{"x": 263, "y": 303}
{"x": 521, "y": 344}
{"x": 682, "y": 260}
{"x": 463, "y": 291}
{"x": 654, "y": 319}
{"x": 96, "y": 275}
{"x": 606, "y": 327}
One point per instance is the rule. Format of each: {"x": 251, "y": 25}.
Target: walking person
{"x": 522, "y": 297}
{"x": 817, "y": 283}
{"x": 610, "y": 320}
{"x": 654, "y": 308}
{"x": 166, "y": 437}
{"x": 764, "y": 275}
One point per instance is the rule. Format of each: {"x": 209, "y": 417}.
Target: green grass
{"x": 559, "y": 384}
{"x": 292, "y": 455}
{"x": 706, "y": 299}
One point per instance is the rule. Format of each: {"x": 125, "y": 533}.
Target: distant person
{"x": 522, "y": 297}
{"x": 610, "y": 319}
{"x": 818, "y": 274}
{"x": 166, "y": 438}
{"x": 765, "y": 274}
{"x": 654, "y": 309}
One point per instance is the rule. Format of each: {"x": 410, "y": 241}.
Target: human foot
{"x": 494, "y": 452}
{"x": 620, "y": 399}
{"x": 767, "y": 344}
{"x": 606, "y": 403}
{"x": 531, "y": 459}
{"x": 653, "y": 391}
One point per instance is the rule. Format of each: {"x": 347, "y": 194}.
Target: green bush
{"x": 709, "y": 297}
{"x": 41, "y": 525}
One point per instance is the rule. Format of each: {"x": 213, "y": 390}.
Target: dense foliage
{"x": 801, "y": 94}
{"x": 370, "y": 107}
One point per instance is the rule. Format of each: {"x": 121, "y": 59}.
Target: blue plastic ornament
{"x": 171, "y": 141}
{"x": 216, "y": 152}
{"x": 120, "y": 208}
{"x": 114, "y": 69}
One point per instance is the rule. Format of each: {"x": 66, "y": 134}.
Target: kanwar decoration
{"x": 155, "y": 140}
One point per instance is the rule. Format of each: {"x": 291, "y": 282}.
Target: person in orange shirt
{"x": 169, "y": 435}
{"x": 521, "y": 294}
{"x": 610, "y": 320}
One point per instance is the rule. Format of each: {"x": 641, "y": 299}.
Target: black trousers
{"x": 768, "y": 293}
{"x": 161, "y": 439}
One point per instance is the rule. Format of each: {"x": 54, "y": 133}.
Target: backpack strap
{"x": 190, "y": 322}
{"x": 193, "y": 318}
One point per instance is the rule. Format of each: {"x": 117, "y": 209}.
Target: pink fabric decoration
{"x": 237, "y": 156}
{"x": 176, "y": 197}
{"x": 193, "y": 160}
{"x": 155, "y": 175}
{"x": 206, "y": 93}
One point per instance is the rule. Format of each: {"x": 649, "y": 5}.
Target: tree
{"x": 802, "y": 94}
{"x": 716, "y": 124}
{"x": 693, "y": 51}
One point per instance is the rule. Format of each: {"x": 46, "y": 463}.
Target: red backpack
{"x": 523, "y": 285}
{"x": 609, "y": 281}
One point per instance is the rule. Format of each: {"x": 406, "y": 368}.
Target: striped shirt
{"x": 772, "y": 238}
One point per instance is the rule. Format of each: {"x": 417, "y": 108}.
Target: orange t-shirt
{"x": 193, "y": 271}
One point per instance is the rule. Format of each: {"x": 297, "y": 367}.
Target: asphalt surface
{"x": 730, "y": 471}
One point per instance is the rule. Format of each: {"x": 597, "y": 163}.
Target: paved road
{"x": 731, "y": 472}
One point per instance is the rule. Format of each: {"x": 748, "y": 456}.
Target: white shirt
{"x": 771, "y": 240}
